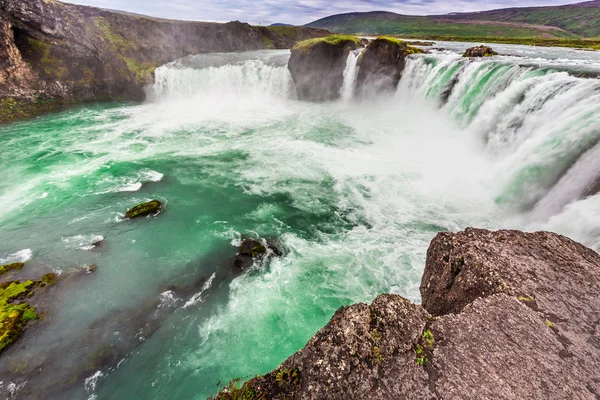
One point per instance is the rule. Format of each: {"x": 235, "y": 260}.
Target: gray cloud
{"x": 297, "y": 12}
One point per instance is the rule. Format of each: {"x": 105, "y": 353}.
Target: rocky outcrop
{"x": 381, "y": 65}
{"x": 252, "y": 251}
{"x": 480, "y": 51}
{"x": 53, "y": 53}
{"x": 153, "y": 208}
{"x": 505, "y": 314}
{"x": 317, "y": 66}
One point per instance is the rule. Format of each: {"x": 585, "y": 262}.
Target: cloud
{"x": 297, "y": 12}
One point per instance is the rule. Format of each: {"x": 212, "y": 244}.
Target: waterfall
{"x": 241, "y": 74}
{"x": 537, "y": 122}
{"x": 350, "y": 73}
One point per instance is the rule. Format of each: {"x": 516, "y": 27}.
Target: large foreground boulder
{"x": 381, "y": 65}
{"x": 505, "y": 315}
{"x": 317, "y": 66}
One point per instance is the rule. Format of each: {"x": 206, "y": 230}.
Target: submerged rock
{"x": 153, "y": 208}
{"x": 317, "y": 66}
{"x": 251, "y": 251}
{"x": 505, "y": 315}
{"x": 4, "y": 269}
{"x": 480, "y": 51}
{"x": 381, "y": 65}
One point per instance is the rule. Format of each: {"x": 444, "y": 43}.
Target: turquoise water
{"x": 354, "y": 191}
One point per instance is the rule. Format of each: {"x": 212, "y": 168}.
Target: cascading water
{"x": 354, "y": 191}
{"x": 535, "y": 121}
{"x": 350, "y": 74}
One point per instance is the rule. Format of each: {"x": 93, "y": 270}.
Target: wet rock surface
{"x": 507, "y": 315}
{"x": 381, "y": 65}
{"x": 480, "y": 51}
{"x": 154, "y": 208}
{"x": 317, "y": 67}
{"x": 253, "y": 250}
{"x": 53, "y": 54}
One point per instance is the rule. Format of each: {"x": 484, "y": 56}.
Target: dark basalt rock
{"x": 381, "y": 65}
{"x": 480, "y": 51}
{"x": 153, "y": 208}
{"x": 317, "y": 67}
{"x": 251, "y": 251}
{"x": 505, "y": 314}
{"x": 54, "y": 54}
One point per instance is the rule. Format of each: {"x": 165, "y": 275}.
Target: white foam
{"x": 197, "y": 298}
{"x": 20, "y": 256}
{"x": 91, "y": 383}
{"x": 82, "y": 242}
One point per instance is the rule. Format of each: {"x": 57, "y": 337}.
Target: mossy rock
{"x": 13, "y": 315}
{"x": 153, "y": 207}
{"x": 480, "y": 51}
{"x": 11, "y": 267}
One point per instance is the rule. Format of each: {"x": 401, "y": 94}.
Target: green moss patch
{"x": 11, "y": 267}
{"x": 399, "y": 42}
{"x": 15, "y": 312}
{"x": 14, "y": 316}
{"x": 51, "y": 65}
{"x": 12, "y": 109}
{"x": 280, "y": 384}
{"x": 124, "y": 49}
{"x": 145, "y": 209}
{"x": 334, "y": 40}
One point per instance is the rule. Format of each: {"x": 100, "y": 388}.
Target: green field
{"x": 537, "y": 26}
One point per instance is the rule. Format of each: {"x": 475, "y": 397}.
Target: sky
{"x": 298, "y": 12}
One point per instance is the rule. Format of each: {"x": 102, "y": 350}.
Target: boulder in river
{"x": 252, "y": 250}
{"x": 317, "y": 66}
{"x": 153, "y": 208}
{"x": 505, "y": 314}
{"x": 381, "y": 65}
{"x": 480, "y": 51}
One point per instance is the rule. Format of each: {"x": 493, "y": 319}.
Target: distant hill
{"x": 281, "y": 25}
{"x": 580, "y": 20}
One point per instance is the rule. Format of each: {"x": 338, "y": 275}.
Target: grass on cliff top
{"x": 332, "y": 40}
{"x": 591, "y": 44}
{"x": 393, "y": 40}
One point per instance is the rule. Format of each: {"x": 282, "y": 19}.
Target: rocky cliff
{"x": 505, "y": 315}
{"x": 53, "y": 53}
{"x": 317, "y": 66}
{"x": 381, "y": 65}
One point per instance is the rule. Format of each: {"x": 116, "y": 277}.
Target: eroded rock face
{"x": 381, "y": 65}
{"x": 318, "y": 68}
{"x": 53, "y": 53}
{"x": 513, "y": 316}
{"x": 480, "y": 51}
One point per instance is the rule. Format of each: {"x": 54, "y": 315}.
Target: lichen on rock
{"x": 153, "y": 208}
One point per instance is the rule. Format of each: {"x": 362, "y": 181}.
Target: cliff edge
{"x": 505, "y": 315}
{"x": 54, "y": 53}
